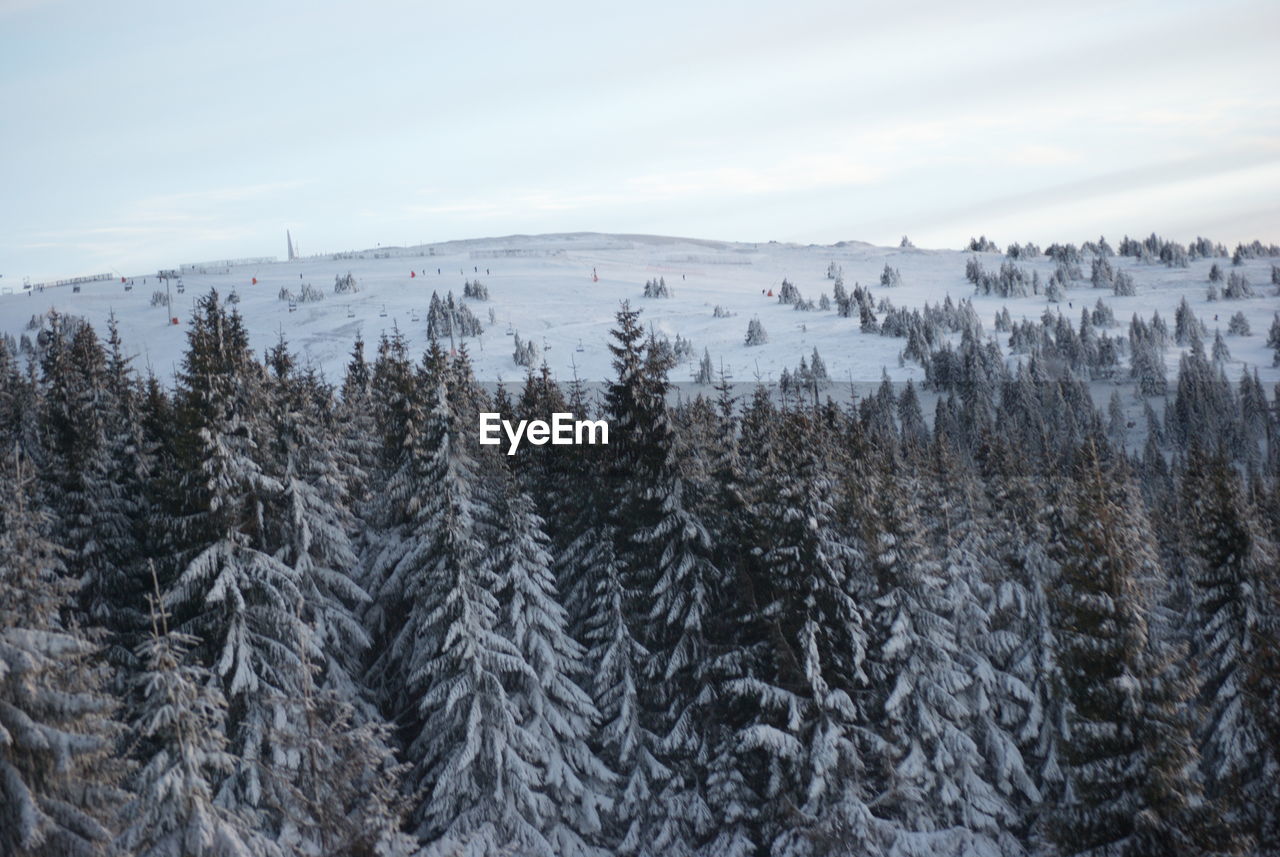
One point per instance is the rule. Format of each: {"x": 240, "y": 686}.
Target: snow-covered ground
{"x": 542, "y": 288}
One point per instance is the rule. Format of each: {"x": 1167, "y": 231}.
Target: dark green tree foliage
{"x": 1232, "y": 617}
{"x": 356, "y": 426}
{"x": 116, "y": 599}
{"x": 678, "y": 550}
{"x": 1128, "y": 754}
{"x": 807, "y": 697}
{"x": 89, "y": 435}
{"x": 630, "y": 737}
{"x": 1023, "y": 510}
{"x": 736, "y": 771}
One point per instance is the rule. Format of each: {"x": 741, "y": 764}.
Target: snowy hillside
{"x": 542, "y": 289}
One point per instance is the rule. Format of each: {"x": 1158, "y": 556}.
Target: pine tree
{"x": 809, "y": 712}
{"x": 344, "y": 788}
{"x": 397, "y": 404}
{"x": 618, "y": 636}
{"x": 310, "y": 522}
{"x": 59, "y": 781}
{"x": 93, "y": 517}
{"x": 582, "y": 540}
{"x": 180, "y": 720}
{"x": 1233, "y": 615}
{"x": 722, "y": 494}
{"x": 1128, "y": 757}
{"x": 1032, "y": 706}
{"x": 1221, "y": 353}
{"x": 553, "y": 708}
{"x": 993, "y": 781}
{"x": 706, "y": 372}
{"x": 473, "y": 760}
{"x": 357, "y": 430}
{"x": 678, "y": 548}
{"x": 116, "y": 600}
{"x": 234, "y": 593}
{"x": 936, "y": 791}
{"x": 97, "y": 503}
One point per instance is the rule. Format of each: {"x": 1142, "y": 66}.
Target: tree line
{"x": 257, "y": 612}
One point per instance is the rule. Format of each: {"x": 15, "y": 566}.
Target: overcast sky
{"x": 138, "y": 135}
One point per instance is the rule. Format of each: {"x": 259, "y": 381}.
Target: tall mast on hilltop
{"x": 289, "y": 239}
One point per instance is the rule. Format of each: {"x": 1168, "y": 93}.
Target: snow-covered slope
{"x": 542, "y": 288}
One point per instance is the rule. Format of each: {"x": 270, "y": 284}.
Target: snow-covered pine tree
{"x": 59, "y": 780}
{"x": 344, "y": 787}
{"x": 1128, "y": 758}
{"x": 553, "y": 708}
{"x": 474, "y": 763}
{"x": 309, "y": 522}
{"x": 1022, "y": 507}
{"x": 118, "y": 601}
{"x": 721, "y": 493}
{"x": 399, "y": 416}
{"x": 95, "y": 517}
{"x": 179, "y": 722}
{"x": 572, "y": 505}
{"x": 11, "y": 393}
{"x": 233, "y": 592}
{"x": 618, "y": 634}
{"x": 818, "y": 367}
{"x": 1221, "y": 353}
{"x": 357, "y": 431}
{"x": 934, "y": 793}
{"x": 678, "y": 548}
{"x": 1147, "y": 367}
{"x": 706, "y": 372}
{"x": 995, "y": 789}
{"x": 807, "y": 700}
{"x": 543, "y": 470}
{"x": 618, "y": 660}
{"x": 332, "y": 747}
{"x": 1239, "y": 325}
{"x": 1234, "y": 612}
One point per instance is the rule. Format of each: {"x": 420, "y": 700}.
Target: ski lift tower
{"x": 167, "y": 275}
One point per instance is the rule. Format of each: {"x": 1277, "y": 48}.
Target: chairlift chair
{"x": 383, "y": 314}
{"x": 580, "y": 349}
{"x": 292, "y": 306}
{"x": 350, "y": 312}
{"x": 511, "y": 331}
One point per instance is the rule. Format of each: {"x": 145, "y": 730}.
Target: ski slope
{"x": 542, "y": 288}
